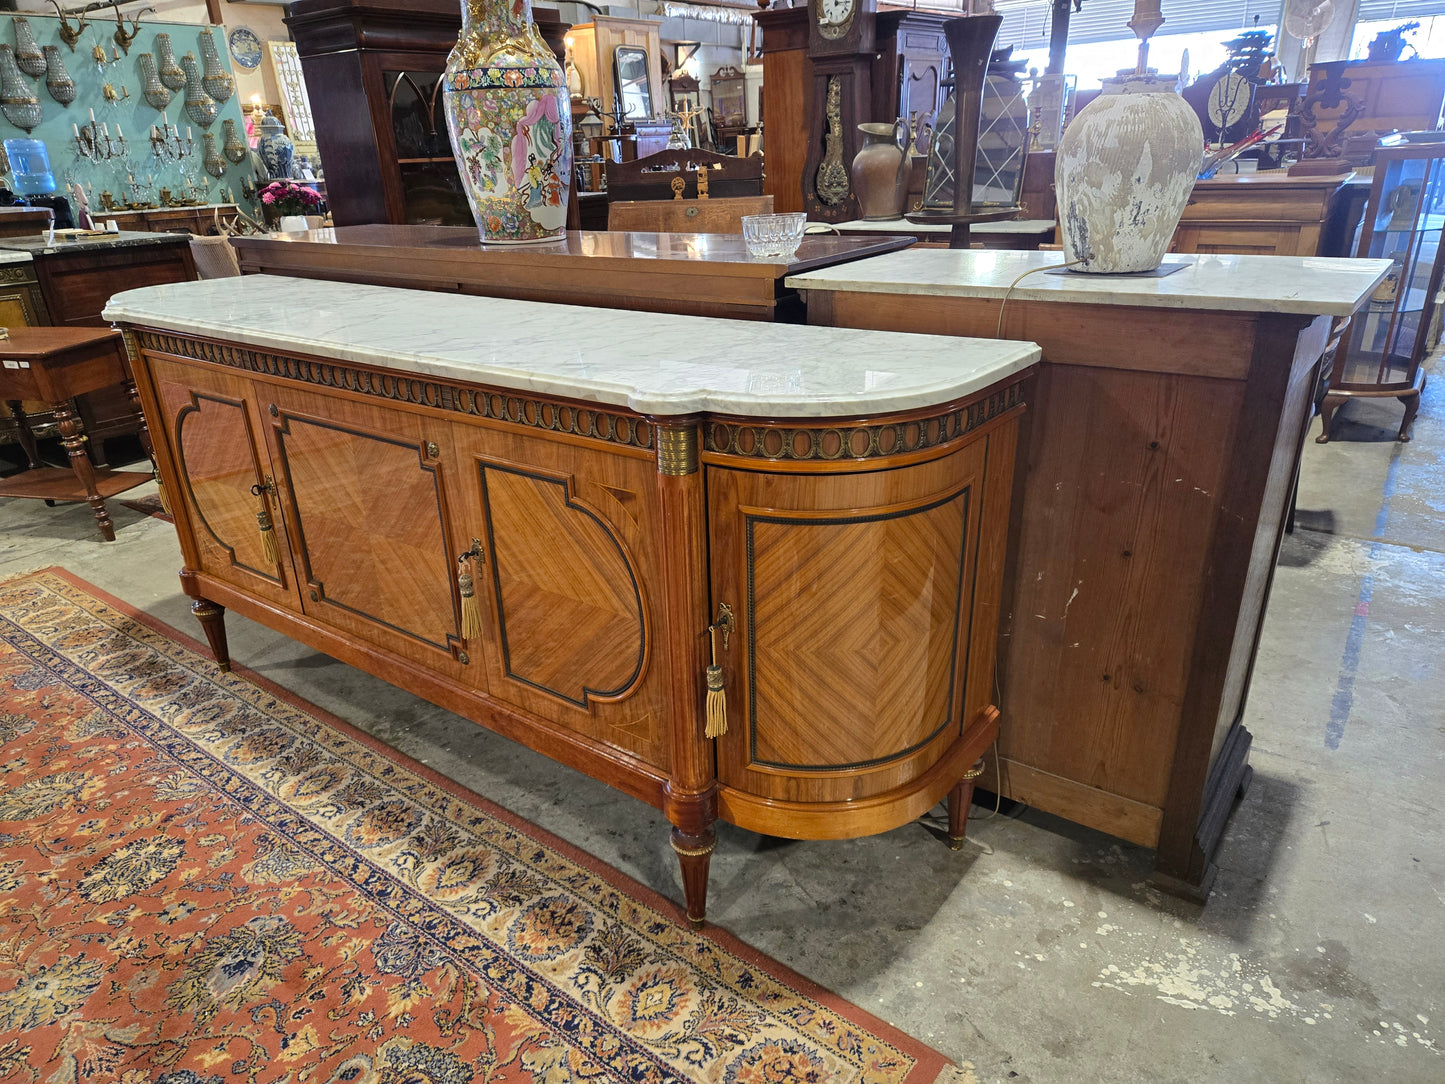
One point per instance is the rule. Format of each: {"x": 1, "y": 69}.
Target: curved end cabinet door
{"x": 210, "y": 424}
{"x": 854, "y": 595}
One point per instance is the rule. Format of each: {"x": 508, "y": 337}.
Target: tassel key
{"x": 717, "y": 703}
{"x": 269, "y": 550}
{"x": 467, "y": 588}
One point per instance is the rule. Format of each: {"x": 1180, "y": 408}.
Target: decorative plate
{"x": 245, "y": 47}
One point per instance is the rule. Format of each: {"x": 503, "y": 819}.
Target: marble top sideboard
{"x": 653, "y": 363}
{"x": 1303, "y": 285}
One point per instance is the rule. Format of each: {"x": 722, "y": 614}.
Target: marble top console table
{"x": 535, "y": 529}
{"x": 1155, "y": 473}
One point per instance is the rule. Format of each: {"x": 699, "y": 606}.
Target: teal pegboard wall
{"x": 134, "y": 114}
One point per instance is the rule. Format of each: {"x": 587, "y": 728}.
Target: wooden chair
{"x": 651, "y": 178}
{"x": 685, "y": 191}
{"x": 686, "y": 215}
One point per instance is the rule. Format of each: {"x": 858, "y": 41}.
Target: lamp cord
{"x": 998, "y": 331}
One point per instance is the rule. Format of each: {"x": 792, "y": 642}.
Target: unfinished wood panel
{"x": 787, "y": 82}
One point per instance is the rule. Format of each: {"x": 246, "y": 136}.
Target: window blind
{"x": 1026, "y": 22}
{"x": 1374, "y": 11}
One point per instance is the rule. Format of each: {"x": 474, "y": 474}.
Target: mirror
{"x": 1003, "y": 140}
{"x": 634, "y": 87}
{"x": 728, "y": 101}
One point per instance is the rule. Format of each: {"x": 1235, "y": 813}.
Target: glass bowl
{"x": 774, "y": 237}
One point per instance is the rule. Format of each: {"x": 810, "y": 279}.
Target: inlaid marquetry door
{"x": 853, "y": 595}
{"x": 364, "y": 489}
{"x": 212, "y": 423}
{"x": 569, "y": 571}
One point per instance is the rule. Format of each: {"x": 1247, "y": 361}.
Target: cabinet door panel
{"x": 210, "y": 421}
{"x": 853, "y": 595}
{"x": 368, "y": 521}
{"x": 571, "y": 564}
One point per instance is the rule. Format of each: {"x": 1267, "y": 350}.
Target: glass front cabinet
{"x": 1380, "y": 353}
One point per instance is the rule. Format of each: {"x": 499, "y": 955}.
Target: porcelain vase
{"x": 57, "y": 79}
{"x": 219, "y": 83}
{"x": 275, "y": 148}
{"x": 880, "y": 171}
{"x": 28, "y": 55}
{"x": 17, "y": 101}
{"x": 199, "y": 106}
{"x": 510, "y": 119}
{"x": 1124, "y": 172}
{"x": 171, "y": 74}
{"x": 293, "y": 224}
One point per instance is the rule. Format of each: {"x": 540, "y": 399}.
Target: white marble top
{"x": 649, "y": 362}
{"x": 902, "y": 225}
{"x": 11, "y": 256}
{"x": 1307, "y": 285}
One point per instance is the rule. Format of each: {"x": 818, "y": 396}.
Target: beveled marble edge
{"x": 902, "y": 225}
{"x": 1305, "y": 285}
{"x": 649, "y": 362}
{"x": 41, "y": 246}
{"x": 10, "y": 255}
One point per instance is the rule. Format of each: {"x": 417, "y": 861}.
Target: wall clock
{"x": 841, "y": 37}
{"x": 245, "y": 47}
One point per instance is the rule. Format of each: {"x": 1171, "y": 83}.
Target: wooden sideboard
{"x": 74, "y": 280}
{"x": 860, "y": 558}
{"x": 1155, "y": 474}
{"x": 196, "y": 220}
{"x": 694, "y": 274}
{"x": 1260, "y": 214}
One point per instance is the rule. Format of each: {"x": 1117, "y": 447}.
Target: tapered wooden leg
{"x": 960, "y": 800}
{"x": 1327, "y": 413}
{"x": 213, "y": 619}
{"x": 694, "y": 854}
{"x": 74, "y": 444}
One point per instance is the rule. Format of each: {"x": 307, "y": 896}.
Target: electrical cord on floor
{"x": 998, "y": 331}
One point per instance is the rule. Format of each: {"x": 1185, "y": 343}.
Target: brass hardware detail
{"x": 271, "y": 409}
{"x": 676, "y": 449}
{"x": 725, "y": 622}
{"x": 315, "y": 597}
{"x": 975, "y": 771}
{"x": 432, "y": 450}
{"x": 693, "y": 852}
{"x": 464, "y": 658}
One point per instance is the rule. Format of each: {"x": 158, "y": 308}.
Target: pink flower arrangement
{"x": 289, "y": 198}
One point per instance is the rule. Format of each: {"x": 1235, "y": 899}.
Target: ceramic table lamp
{"x": 1126, "y": 166}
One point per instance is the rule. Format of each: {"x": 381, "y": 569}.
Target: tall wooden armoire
{"x": 373, "y": 71}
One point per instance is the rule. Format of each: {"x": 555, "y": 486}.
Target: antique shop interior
{"x": 729, "y": 541}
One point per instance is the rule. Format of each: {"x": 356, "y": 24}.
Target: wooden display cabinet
{"x": 1259, "y": 214}
{"x": 1397, "y": 96}
{"x": 594, "y": 45}
{"x": 373, "y": 72}
{"x": 1380, "y": 355}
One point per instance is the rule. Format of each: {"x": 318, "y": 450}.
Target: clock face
{"x": 835, "y": 15}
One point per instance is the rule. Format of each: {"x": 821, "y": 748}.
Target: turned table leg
{"x": 694, "y": 853}
{"x": 1411, "y": 399}
{"x": 960, "y": 799}
{"x": 73, "y": 441}
{"x": 213, "y": 619}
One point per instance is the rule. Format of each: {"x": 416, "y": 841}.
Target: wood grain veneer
{"x": 863, "y": 558}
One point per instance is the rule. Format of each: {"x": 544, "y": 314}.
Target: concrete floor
{"x": 1038, "y": 953}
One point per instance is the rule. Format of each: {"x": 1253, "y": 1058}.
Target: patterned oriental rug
{"x": 205, "y": 880}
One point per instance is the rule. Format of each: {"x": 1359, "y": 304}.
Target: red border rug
{"x": 151, "y": 506}
{"x": 204, "y": 879}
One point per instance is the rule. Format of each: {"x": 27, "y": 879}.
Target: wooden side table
{"x": 55, "y": 364}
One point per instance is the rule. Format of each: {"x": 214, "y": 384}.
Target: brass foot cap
{"x": 696, "y": 923}
{"x": 955, "y": 843}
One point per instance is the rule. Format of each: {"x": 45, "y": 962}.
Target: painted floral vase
{"x": 1123, "y": 174}
{"x": 510, "y": 119}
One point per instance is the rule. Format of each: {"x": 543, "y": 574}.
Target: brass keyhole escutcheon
{"x": 315, "y": 597}
{"x": 271, "y": 408}
{"x": 432, "y": 450}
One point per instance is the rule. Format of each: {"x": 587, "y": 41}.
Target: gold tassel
{"x": 717, "y": 703}
{"x": 471, "y": 609}
{"x": 268, "y": 535}
{"x": 161, "y": 493}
